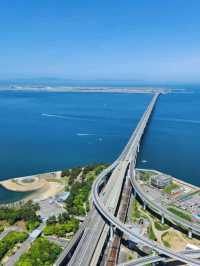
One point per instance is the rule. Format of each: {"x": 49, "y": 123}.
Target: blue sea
{"x": 45, "y": 131}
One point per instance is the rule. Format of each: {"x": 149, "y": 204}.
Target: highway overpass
{"x": 106, "y": 198}
{"x": 112, "y": 220}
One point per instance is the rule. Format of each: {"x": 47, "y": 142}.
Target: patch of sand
{"x": 22, "y": 225}
{"x": 20, "y": 186}
{"x": 30, "y": 183}
{"x": 175, "y": 240}
{"x": 42, "y": 186}
{"x": 47, "y": 191}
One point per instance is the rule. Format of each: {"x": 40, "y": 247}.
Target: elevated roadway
{"x": 93, "y": 232}
{"x": 131, "y": 155}
{"x": 161, "y": 210}
{"x": 156, "y": 258}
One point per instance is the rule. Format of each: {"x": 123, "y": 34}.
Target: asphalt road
{"x": 10, "y": 229}
{"x": 114, "y": 221}
{"x": 23, "y": 248}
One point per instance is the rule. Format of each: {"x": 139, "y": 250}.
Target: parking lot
{"x": 190, "y": 203}
{"x": 50, "y": 207}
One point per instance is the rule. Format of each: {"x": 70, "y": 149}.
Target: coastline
{"x": 40, "y": 187}
{"x": 46, "y": 185}
{"x": 182, "y": 182}
{"x": 75, "y": 89}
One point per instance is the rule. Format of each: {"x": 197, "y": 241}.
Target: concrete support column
{"x": 128, "y": 177}
{"x": 138, "y": 148}
{"x": 111, "y": 232}
{"x": 134, "y": 173}
{"x": 144, "y": 206}
{"x": 162, "y": 219}
{"x": 190, "y": 233}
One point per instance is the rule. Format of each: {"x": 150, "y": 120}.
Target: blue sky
{"x": 142, "y": 40}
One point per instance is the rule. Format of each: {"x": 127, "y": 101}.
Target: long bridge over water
{"x": 97, "y": 242}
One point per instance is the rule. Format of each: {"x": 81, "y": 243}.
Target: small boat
{"x": 144, "y": 161}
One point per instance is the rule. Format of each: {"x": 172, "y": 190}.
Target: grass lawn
{"x": 181, "y": 213}
{"x": 10, "y": 240}
{"x": 161, "y": 227}
{"x": 168, "y": 189}
{"x": 151, "y": 234}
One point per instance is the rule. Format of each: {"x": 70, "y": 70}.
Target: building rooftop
{"x": 62, "y": 196}
{"x": 161, "y": 177}
{"x": 161, "y": 181}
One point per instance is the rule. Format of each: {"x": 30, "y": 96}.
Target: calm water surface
{"x": 48, "y": 131}
{"x": 172, "y": 142}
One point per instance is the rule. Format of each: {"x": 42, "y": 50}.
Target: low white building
{"x": 161, "y": 181}
{"x": 62, "y": 196}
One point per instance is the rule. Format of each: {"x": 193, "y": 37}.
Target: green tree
{"x": 52, "y": 220}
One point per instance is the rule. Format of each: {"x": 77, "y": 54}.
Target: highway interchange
{"x": 94, "y": 233}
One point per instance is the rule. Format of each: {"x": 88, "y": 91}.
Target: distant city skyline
{"x": 140, "y": 41}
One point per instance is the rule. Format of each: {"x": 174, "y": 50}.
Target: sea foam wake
{"x": 71, "y": 117}
{"x": 84, "y": 134}
{"x": 179, "y": 120}
{"x": 54, "y": 115}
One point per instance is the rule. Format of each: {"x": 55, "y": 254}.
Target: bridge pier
{"x": 111, "y": 232}
{"x": 134, "y": 173}
{"x": 162, "y": 219}
{"x": 138, "y": 148}
{"x": 190, "y": 233}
